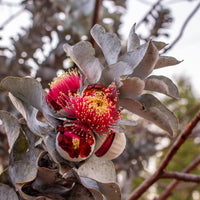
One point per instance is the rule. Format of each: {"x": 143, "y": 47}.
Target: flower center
{"x": 75, "y": 142}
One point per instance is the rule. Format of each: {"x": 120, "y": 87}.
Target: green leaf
{"x": 133, "y": 40}
{"x": 108, "y": 42}
{"x": 11, "y": 126}
{"x": 98, "y": 169}
{"x": 26, "y": 89}
{"x": 161, "y": 84}
{"x": 7, "y": 193}
{"x": 83, "y": 55}
{"x": 22, "y": 172}
{"x": 131, "y": 88}
{"x": 153, "y": 110}
{"x": 165, "y": 61}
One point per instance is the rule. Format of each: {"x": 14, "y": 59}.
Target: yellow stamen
{"x": 76, "y": 143}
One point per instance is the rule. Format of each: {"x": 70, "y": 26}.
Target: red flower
{"x": 88, "y": 114}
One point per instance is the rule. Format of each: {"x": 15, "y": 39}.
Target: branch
{"x": 150, "y": 11}
{"x": 183, "y": 28}
{"x": 174, "y": 183}
{"x": 181, "y": 176}
{"x": 11, "y": 18}
{"x": 177, "y": 144}
{"x": 95, "y": 19}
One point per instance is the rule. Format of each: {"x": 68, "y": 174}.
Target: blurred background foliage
{"x": 37, "y": 51}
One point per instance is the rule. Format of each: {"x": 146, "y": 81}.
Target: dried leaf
{"x": 7, "y": 193}
{"x": 159, "y": 45}
{"x": 108, "y": 42}
{"x": 133, "y": 40}
{"x": 163, "y": 85}
{"x": 83, "y": 55}
{"x": 11, "y": 127}
{"x": 131, "y": 88}
{"x": 165, "y": 61}
{"x": 153, "y": 110}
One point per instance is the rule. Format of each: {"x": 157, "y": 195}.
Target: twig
{"x": 177, "y": 144}
{"x": 181, "y": 176}
{"x": 95, "y": 19}
{"x": 174, "y": 183}
{"x": 11, "y": 18}
{"x": 148, "y": 13}
{"x": 183, "y": 28}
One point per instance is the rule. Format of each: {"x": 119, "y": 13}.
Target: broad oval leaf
{"x": 11, "y": 126}
{"x": 133, "y": 40}
{"x": 114, "y": 72}
{"x": 98, "y": 169}
{"x": 83, "y": 55}
{"x": 108, "y": 42}
{"x": 131, "y": 88}
{"x": 165, "y": 61}
{"x": 26, "y": 89}
{"x": 7, "y": 193}
{"x": 142, "y": 60}
{"x": 22, "y": 172}
{"x": 161, "y": 84}
{"x": 150, "y": 108}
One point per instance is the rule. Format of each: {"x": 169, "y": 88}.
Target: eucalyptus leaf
{"x": 161, "y": 84}
{"x": 30, "y": 114}
{"x": 26, "y": 89}
{"x": 131, "y": 88}
{"x": 114, "y": 72}
{"x": 133, "y": 40}
{"x": 22, "y": 172}
{"x": 83, "y": 55}
{"x": 159, "y": 45}
{"x": 98, "y": 169}
{"x": 108, "y": 42}
{"x": 142, "y": 60}
{"x": 7, "y": 193}
{"x": 153, "y": 110}
{"x": 147, "y": 64}
{"x": 11, "y": 127}
{"x": 165, "y": 61}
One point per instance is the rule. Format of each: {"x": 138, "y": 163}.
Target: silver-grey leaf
{"x": 114, "y": 72}
{"x": 147, "y": 64}
{"x": 11, "y": 126}
{"x": 22, "y": 172}
{"x": 150, "y": 108}
{"x": 133, "y": 40}
{"x": 161, "y": 84}
{"x": 131, "y": 88}
{"x": 108, "y": 42}
{"x": 142, "y": 60}
{"x": 82, "y": 54}
{"x": 100, "y": 170}
{"x": 165, "y": 61}
{"x": 26, "y": 89}
{"x": 7, "y": 193}
{"x": 159, "y": 45}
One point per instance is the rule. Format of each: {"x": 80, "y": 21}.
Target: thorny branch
{"x": 183, "y": 28}
{"x": 160, "y": 171}
{"x": 174, "y": 183}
